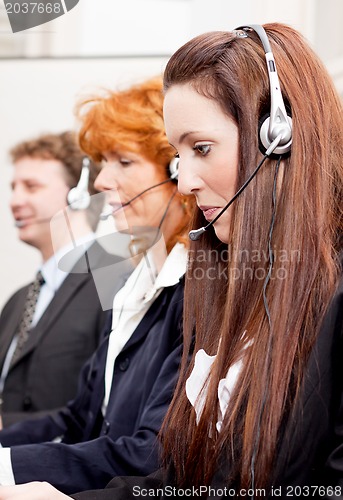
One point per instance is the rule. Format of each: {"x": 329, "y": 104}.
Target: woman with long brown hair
{"x": 257, "y": 412}
{"x": 283, "y": 235}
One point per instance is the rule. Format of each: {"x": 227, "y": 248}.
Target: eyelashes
{"x": 125, "y": 162}
{"x": 202, "y": 149}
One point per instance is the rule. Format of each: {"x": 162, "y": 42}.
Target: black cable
{"x": 270, "y": 341}
{"x": 143, "y": 192}
{"x": 239, "y": 191}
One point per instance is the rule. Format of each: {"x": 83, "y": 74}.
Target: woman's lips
{"x": 117, "y": 206}
{"x": 209, "y": 212}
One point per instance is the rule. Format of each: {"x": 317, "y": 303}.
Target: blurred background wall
{"x": 111, "y": 44}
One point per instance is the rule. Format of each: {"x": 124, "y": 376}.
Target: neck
{"x": 69, "y": 227}
{"x": 173, "y": 220}
{"x": 62, "y": 236}
{"x": 47, "y": 252}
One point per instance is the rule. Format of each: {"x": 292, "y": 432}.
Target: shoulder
{"x": 17, "y": 297}
{"x": 333, "y": 319}
{"x": 174, "y": 294}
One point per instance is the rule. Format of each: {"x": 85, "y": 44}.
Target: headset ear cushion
{"x": 78, "y": 199}
{"x": 262, "y": 121}
{"x": 264, "y": 140}
{"x": 174, "y": 168}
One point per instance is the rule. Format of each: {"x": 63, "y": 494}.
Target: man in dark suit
{"x": 96, "y": 446}
{"x": 67, "y": 319}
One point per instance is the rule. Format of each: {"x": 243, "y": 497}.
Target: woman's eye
{"x": 203, "y": 149}
{"x": 124, "y": 162}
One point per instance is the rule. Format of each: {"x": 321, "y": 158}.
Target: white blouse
{"x": 197, "y": 384}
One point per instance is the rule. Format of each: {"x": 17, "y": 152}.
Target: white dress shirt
{"x": 132, "y": 302}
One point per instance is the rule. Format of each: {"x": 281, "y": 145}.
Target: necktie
{"x": 26, "y": 320}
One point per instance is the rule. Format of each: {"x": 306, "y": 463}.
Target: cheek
{"x": 53, "y": 206}
{"x": 143, "y": 206}
{"x": 226, "y": 179}
{"x": 128, "y": 189}
{"x": 49, "y": 205}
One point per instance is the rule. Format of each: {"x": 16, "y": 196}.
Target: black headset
{"x": 278, "y": 122}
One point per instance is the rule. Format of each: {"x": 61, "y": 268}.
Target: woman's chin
{"x": 121, "y": 222}
{"x": 222, "y": 233}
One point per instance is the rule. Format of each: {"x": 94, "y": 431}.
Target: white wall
{"x": 38, "y": 95}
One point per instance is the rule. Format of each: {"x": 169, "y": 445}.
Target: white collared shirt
{"x": 198, "y": 381}
{"x": 133, "y": 301}
{"x": 54, "y": 276}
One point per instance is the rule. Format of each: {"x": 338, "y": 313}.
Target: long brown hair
{"x": 232, "y": 70}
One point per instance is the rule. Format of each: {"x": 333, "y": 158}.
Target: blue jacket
{"x": 94, "y": 449}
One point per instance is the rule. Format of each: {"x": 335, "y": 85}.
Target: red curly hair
{"x": 131, "y": 120}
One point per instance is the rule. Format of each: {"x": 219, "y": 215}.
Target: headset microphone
{"x": 195, "y": 234}
{"x": 107, "y": 213}
{"x": 22, "y": 223}
{"x": 173, "y": 175}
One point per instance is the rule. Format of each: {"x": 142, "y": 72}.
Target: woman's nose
{"x": 105, "y": 180}
{"x": 188, "y": 180}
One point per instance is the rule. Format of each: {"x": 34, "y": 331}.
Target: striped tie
{"x": 26, "y": 320}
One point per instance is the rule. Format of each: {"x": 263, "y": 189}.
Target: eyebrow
{"x": 28, "y": 180}
{"x": 186, "y": 134}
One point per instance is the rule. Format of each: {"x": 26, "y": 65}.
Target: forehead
{"x": 121, "y": 152}
{"x": 180, "y": 95}
{"x": 185, "y": 110}
{"x": 39, "y": 169}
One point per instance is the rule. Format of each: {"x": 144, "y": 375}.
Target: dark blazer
{"x": 45, "y": 375}
{"x": 311, "y": 447}
{"x": 94, "y": 449}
